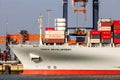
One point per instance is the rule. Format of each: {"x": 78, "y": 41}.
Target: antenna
{"x": 48, "y": 12}
{"x": 6, "y": 25}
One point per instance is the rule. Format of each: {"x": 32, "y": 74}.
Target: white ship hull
{"x": 68, "y": 60}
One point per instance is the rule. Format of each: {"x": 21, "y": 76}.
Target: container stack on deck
{"x": 60, "y": 24}
{"x": 94, "y": 36}
{"x": 107, "y": 32}
{"x": 116, "y": 31}
{"x": 106, "y": 37}
{"x": 57, "y": 34}
{"x": 104, "y": 24}
{"x": 53, "y": 36}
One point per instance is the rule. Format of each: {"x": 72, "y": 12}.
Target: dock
{"x": 10, "y": 67}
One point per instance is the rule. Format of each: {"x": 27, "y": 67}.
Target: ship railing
{"x": 93, "y": 45}
{"x": 116, "y": 45}
{"x": 102, "y": 45}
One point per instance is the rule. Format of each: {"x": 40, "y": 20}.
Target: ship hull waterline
{"x": 68, "y": 60}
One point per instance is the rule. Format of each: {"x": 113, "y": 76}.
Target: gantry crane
{"x": 80, "y": 6}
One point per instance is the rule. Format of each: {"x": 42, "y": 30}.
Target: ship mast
{"x": 40, "y": 26}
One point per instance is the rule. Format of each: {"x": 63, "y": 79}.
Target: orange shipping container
{"x": 70, "y": 42}
{"x": 34, "y": 37}
{"x": 16, "y": 37}
{"x": 2, "y": 39}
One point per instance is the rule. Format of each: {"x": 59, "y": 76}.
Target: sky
{"x": 17, "y": 15}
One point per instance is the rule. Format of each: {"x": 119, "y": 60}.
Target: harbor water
{"x": 39, "y": 77}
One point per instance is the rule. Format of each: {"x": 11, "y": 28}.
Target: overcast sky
{"x": 23, "y": 14}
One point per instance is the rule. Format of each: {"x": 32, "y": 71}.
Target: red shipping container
{"x": 106, "y": 32}
{"x": 117, "y": 31}
{"x": 106, "y": 36}
{"x": 105, "y": 24}
{"x": 55, "y": 40}
{"x": 49, "y": 29}
{"x": 116, "y": 22}
{"x": 116, "y": 40}
{"x": 116, "y": 26}
{"x": 94, "y": 32}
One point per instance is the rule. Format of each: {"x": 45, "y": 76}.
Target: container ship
{"x": 96, "y": 52}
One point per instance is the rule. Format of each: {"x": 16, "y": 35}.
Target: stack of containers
{"x": 94, "y": 36}
{"x": 60, "y": 24}
{"x": 104, "y": 24}
{"x": 116, "y": 31}
{"x": 54, "y": 36}
{"x": 106, "y": 37}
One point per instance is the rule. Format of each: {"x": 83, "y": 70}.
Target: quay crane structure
{"x": 80, "y": 6}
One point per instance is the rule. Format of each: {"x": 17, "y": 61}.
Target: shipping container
{"x": 105, "y": 20}
{"x": 54, "y": 40}
{"x": 94, "y": 32}
{"x": 49, "y": 28}
{"x": 3, "y": 40}
{"x": 106, "y": 32}
{"x": 105, "y": 24}
{"x": 34, "y": 37}
{"x": 94, "y": 40}
{"x": 116, "y": 26}
{"x": 106, "y": 41}
{"x": 54, "y": 32}
{"x": 60, "y": 24}
{"x": 105, "y": 36}
{"x": 60, "y": 20}
{"x": 94, "y": 36}
{"x": 116, "y": 22}
{"x": 104, "y": 28}
{"x": 53, "y": 36}
{"x": 117, "y": 31}
{"x": 80, "y": 39}
{"x": 72, "y": 42}
{"x": 60, "y": 28}
{"x": 116, "y": 40}
{"x": 116, "y": 35}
